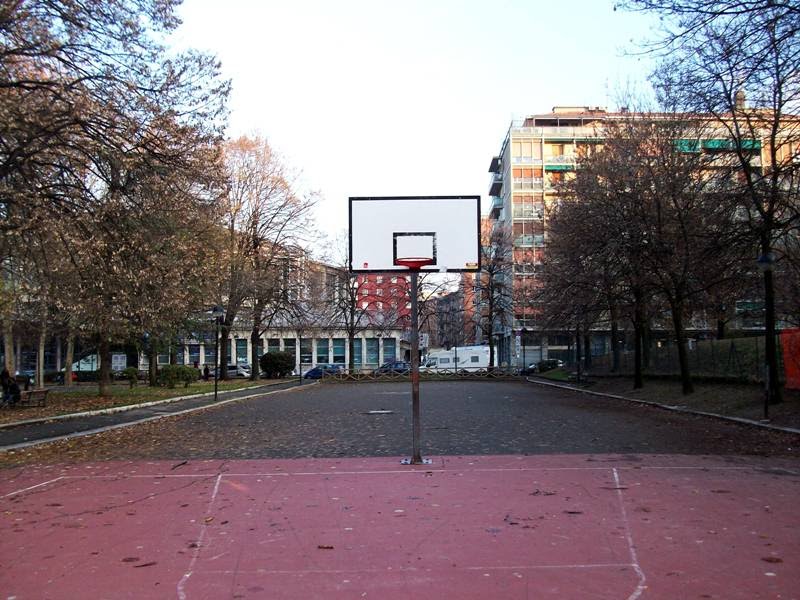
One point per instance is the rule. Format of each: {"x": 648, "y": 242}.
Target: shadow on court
{"x": 577, "y": 526}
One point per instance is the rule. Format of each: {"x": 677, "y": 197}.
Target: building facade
{"x": 538, "y": 153}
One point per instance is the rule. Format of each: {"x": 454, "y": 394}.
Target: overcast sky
{"x": 389, "y": 97}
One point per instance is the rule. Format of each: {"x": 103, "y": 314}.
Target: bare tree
{"x": 493, "y": 285}
{"x": 738, "y": 63}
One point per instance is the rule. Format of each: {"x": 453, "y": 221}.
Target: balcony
{"x": 560, "y": 159}
{"x": 529, "y": 240}
{"x": 528, "y": 183}
{"x": 497, "y": 206}
{"x": 496, "y": 185}
{"x": 526, "y": 160}
{"x": 496, "y": 164}
{"x": 528, "y": 212}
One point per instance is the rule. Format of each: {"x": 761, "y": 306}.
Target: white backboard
{"x": 445, "y": 229}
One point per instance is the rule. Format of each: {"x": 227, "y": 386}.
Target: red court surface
{"x": 562, "y": 527}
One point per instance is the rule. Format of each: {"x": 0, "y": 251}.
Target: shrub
{"x": 131, "y": 374}
{"x": 169, "y": 375}
{"x": 277, "y": 364}
{"x": 188, "y": 375}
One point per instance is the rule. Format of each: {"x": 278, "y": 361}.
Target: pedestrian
{"x": 5, "y": 377}
{"x": 11, "y": 394}
{"x": 206, "y": 373}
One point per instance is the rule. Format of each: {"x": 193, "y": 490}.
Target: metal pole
{"x": 416, "y": 458}
{"x": 216, "y": 358}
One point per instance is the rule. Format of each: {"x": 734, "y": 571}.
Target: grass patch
{"x": 556, "y": 375}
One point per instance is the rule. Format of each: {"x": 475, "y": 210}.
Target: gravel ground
{"x": 458, "y": 418}
{"x": 730, "y": 399}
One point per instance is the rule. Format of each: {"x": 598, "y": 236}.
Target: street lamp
{"x": 218, "y": 313}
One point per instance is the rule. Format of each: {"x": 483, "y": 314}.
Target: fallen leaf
{"x": 209, "y": 519}
{"x": 147, "y": 564}
{"x": 772, "y": 559}
{"x": 324, "y": 547}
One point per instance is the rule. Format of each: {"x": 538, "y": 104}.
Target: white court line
{"x": 409, "y": 569}
{"x": 199, "y": 547}
{"x": 33, "y": 487}
{"x": 631, "y": 547}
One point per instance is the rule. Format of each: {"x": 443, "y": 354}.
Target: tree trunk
{"x": 647, "y": 339}
{"x": 58, "y": 352}
{"x": 615, "y": 350}
{"x": 40, "y": 356}
{"x": 683, "y": 355}
{"x": 720, "y": 329}
{"x": 104, "y": 350}
{"x": 587, "y": 350}
{"x": 152, "y": 367}
{"x": 255, "y": 337}
{"x": 8, "y": 345}
{"x": 638, "y": 321}
{"x": 351, "y": 348}
{"x": 774, "y": 390}
{"x": 222, "y": 360}
{"x": 578, "y": 359}
{"x": 69, "y": 359}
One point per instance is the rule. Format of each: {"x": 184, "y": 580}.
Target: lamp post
{"x": 772, "y": 393}
{"x": 218, "y": 313}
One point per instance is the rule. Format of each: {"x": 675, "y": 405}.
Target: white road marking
{"x": 629, "y": 538}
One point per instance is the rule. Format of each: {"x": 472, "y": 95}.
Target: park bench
{"x": 33, "y": 398}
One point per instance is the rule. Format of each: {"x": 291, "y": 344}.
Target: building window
{"x": 273, "y": 345}
{"x": 339, "y": 350}
{"x": 364, "y": 291}
{"x": 394, "y": 279}
{"x": 379, "y": 292}
{"x": 210, "y": 354}
{"x": 364, "y": 305}
{"x": 322, "y": 351}
{"x": 241, "y": 351}
{"x": 194, "y": 354}
{"x": 379, "y": 279}
{"x": 389, "y": 349}
{"x": 306, "y": 352}
{"x": 357, "y": 352}
{"x": 289, "y": 345}
{"x": 373, "y": 351}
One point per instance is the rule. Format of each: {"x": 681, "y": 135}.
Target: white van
{"x": 457, "y": 360}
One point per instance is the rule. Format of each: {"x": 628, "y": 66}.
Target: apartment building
{"x": 538, "y": 153}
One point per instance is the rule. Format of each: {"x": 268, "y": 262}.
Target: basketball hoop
{"x": 414, "y": 263}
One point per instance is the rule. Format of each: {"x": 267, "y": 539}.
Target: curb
{"x": 77, "y": 434}
{"x": 670, "y": 407}
{"x": 116, "y": 409}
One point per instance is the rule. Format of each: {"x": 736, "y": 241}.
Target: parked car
{"x": 530, "y": 369}
{"x": 549, "y": 364}
{"x": 242, "y": 370}
{"x": 322, "y": 370}
{"x": 394, "y": 367}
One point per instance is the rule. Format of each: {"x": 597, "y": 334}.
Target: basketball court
{"x": 464, "y": 527}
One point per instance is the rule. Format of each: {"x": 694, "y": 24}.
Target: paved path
{"x": 458, "y": 418}
{"x": 24, "y": 434}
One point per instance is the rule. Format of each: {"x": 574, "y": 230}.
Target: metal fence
{"x": 740, "y": 359}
